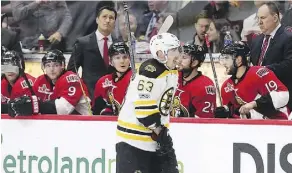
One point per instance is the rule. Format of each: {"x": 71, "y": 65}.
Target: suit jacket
{"x": 287, "y": 18}
{"x": 10, "y": 40}
{"x": 87, "y": 55}
{"x": 278, "y": 56}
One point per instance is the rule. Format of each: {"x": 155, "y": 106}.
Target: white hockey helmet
{"x": 163, "y": 42}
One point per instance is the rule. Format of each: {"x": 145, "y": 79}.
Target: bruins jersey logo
{"x": 178, "y": 110}
{"x": 150, "y": 68}
{"x": 166, "y": 101}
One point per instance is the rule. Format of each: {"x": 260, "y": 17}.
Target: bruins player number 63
{"x": 144, "y": 144}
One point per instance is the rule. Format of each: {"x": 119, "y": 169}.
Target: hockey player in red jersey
{"x": 13, "y": 83}
{"x": 196, "y": 94}
{"x": 251, "y": 92}
{"x": 59, "y": 91}
{"x": 110, "y": 90}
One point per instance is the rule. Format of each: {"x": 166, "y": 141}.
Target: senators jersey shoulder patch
{"x": 262, "y": 72}
{"x": 24, "y": 83}
{"x": 72, "y": 78}
{"x": 210, "y": 90}
{"x": 151, "y": 68}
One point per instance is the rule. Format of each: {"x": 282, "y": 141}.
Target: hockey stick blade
{"x": 166, "y": 24}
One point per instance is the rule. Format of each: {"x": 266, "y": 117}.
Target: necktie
{"x": 264, "y": 49}
{"x": 105, "y": 51}
{"x": 151, "y": 25}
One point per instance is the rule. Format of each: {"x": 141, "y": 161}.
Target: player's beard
{"x": 187, "y": 71}
{"x": 232, "y": 70}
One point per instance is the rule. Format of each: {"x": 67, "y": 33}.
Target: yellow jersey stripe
{"x": 145, "y": 102}
{"x": 146, "y": 112}
{"x": 134, "y": 137}
{"x": 167, "y": 72}
{"x": 133, "y": 126}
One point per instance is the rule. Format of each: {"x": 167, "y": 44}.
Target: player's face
{"x": 173, "y": 58}
{"x": 53, "y": 69}
{"x": 121, "y": 62}
{"x": 227, "y": 61}
{"x": 185, "y": 62}
{"x": 11, "y": 76}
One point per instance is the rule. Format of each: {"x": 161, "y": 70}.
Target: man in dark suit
{"x": 287, "y": 17}
{"x": 9, "y": 39}
{"x": 273, "y": 48}
{"x": 91, "y": 51}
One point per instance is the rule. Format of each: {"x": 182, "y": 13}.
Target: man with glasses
{"x": 251, "y": 92}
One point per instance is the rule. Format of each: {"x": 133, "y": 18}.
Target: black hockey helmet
{"x": 118, "y": 48}
{"x": 195, "y": 51}
{"x": 11, "y": 61}
{"x": 53, "y": 56}
{"x": 237, "y": 48}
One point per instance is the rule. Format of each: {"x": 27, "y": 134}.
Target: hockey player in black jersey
{"x": 144, "y": 144}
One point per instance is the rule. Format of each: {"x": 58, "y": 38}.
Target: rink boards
{"x": 79, "y": 144}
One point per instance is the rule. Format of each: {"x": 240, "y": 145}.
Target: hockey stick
{"x": 166, "y": 24}
{"x": 130, "y": 40}
{"x": 79, "y": 80}
{"x": 22, "y": 73}
{"x": 213, "y": 69}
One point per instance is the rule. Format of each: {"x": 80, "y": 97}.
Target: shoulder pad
{"x": 151, "y": 68}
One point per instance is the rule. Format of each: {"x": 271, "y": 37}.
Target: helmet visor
{"x": 8, "y": 65}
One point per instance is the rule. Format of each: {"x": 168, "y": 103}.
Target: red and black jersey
{"x": 195, "y": 98}
{"x": 261, "y": 85}
{"x": 20, "y": 88}
{"x": 67, "y": 87}
{"x": 109, "y": 93}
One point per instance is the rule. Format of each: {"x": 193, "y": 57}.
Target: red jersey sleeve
{"x": 273, "y": 92}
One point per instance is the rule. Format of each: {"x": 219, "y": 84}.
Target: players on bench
{"x": 58, "y": 91}
{"x": 252, "y": 91}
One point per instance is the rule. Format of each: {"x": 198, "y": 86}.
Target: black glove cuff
{"x": 222, "y": 112}
{"x": 4, "y": 108}
{"x": 48, "y": 107}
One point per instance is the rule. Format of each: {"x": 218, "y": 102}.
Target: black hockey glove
{"x": 166, "y": 153}
{"x": 221, "y": 112}
{"x": 23, "y": 106}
